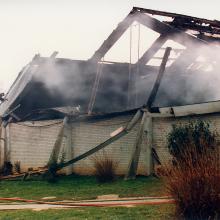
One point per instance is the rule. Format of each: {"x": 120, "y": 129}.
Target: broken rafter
{"x": 139, "y": 14}
{"x": 159, "y": 78}
{"x": 174, "y": 33}
{"x": 112, "y": 39}
{"x": 189, "y": 25}
{"x": 214, "y": 23}
{"x": 123, "y": 132}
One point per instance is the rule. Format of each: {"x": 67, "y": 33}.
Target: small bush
{"x": 195, "y": 185}
{"x": 194, "y": 179}
{"x": 105, "y": 167}
{"x": 194, "y": 134}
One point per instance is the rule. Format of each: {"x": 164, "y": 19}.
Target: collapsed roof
{"x": 105, "y": 87}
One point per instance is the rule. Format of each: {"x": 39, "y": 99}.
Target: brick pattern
{"x": 89, "y": 134}
{"x": 162, "y": 126}
{"x": 33, "y": 145}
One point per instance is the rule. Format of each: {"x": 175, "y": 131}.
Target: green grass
{"x": 84, "y": 187}
{"x": 139, "y": 213}
{"x": 81, "y": 187}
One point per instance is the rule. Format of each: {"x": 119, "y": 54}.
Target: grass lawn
{"x": 140, "y": 212}
{"x": 84, "y": 187}
{"x": 81, "y": 187}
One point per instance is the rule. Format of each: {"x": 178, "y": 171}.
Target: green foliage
{"x": 81, "y": 187}
{"x": 194, "y": 134}
{"x": 194, "y": 184}
{"x": 193, "y": 179}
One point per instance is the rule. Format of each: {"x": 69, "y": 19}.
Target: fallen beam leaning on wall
{"x": 146, "y": 122}
{"x": 125, "y": 131}
{"x": 133, "y": 164}
{"x": 57, "y": 145}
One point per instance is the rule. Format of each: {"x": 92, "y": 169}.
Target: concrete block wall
{"x": 89, "y": 134}
{"x": 162, "y": 127}
{"x": 32, "y": 145}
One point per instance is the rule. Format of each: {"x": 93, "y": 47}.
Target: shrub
{"x": 194, "y": 179}
{"x": 105, "y": 167}
{"x": 194, "y": 134}
{"x": 195, "y": 185}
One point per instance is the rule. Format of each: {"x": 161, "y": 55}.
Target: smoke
{"x": 194, "y": 79}
{"x": 63, "y": 82}
{"x": 192, "y": 76}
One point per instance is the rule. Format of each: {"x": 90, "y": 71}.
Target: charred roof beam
{"x": 174, "y": 33}
{"x": 155, "y": 88}
{"x": 113, "y": 37}
{"x": 188, "y": 25}
{"x": 150, "y": 22}
{"x": 214, "y": 23}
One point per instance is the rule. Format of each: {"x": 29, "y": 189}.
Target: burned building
{"x": 82, "y": 106}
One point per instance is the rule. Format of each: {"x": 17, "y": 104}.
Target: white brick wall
{"x": 162, "y": 126}
{"x": 32, "y": 146}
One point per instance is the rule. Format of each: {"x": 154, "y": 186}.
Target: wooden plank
{"x": 7, "y": 144}
{"x": 133, "y": 164}
{"x": 113, "y": 37}
{"x": 68, "y": 147}
{"x": 2, "y": 143}
{"x": 125, "y": 131}
{"x": 57, "y": 145}
{"x": 148, "y": 131}
{"x": 159, "y": 77}
{"x": 14, "y": 176}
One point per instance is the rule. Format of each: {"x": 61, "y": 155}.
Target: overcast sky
{"x": 74, "y": 28}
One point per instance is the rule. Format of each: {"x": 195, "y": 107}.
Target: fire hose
{"x": 90, "y": 204}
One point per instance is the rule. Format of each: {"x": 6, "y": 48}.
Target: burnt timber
{"x": 37, "y": 100}
{"x": 36, "y": 96}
